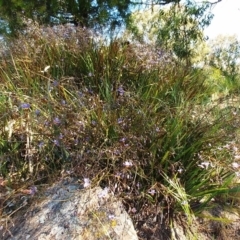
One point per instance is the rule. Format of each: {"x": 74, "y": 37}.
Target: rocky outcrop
{"x": 68, "y": 211}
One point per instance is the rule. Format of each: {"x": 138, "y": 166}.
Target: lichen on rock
{"x": 68, "y": 211}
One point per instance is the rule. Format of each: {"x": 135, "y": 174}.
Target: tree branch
{"x": 165, "y": 2}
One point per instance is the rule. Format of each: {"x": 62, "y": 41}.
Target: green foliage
{"x": 178, "y": 28}
{"x": 224, "y": 55}
{"x": 183, "y": 27}
{"x": 86, "y": 13}
{"x": 107, "y": 14}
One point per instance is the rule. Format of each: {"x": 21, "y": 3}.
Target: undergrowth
{"x": 119, "y": 115}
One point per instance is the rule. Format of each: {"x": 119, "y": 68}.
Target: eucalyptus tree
{"x": 224, "y": 54}
{"x": 177, "y": 28}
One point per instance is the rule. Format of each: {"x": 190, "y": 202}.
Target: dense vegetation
{"x": 133, "y": 117}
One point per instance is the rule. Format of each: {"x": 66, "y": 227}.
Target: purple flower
{"x": 111, "y": 216}
{"x": 41, "y": 144}
{"x": 56, "y": 142}
{"x": 133, "y": 210}
{"x": 25, "y": 106}
{"x": 80, "y": 94}
{"x": 120, "y": 91}
{"x": 122, "y": 140}
{"x": 46, "y": 123}
{"x": 152, "y": 192}
{"x": 120, "y": 120}
{"x": 55, "y": 83}
{"x": 93, "y": 122}
{"x": 116, "y": 152}
{"x": 75, "y": 141}
{"x": 37, "y": 112}
{"x": 160, "y": 53}
{"x": 33, "y": 190}
{"x": 56, "y": 121}
{"x": 90, "y": 91}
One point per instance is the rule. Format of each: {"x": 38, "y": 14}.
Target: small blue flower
{"x": 152, "y": 192}
{"x": 56, "y": 121}
{"x": 123, "y": 140}
{"x": 33, "y": 190}
{"x": 120, "y": 91}
{"x": 116, "y": 152}
{"x": 90, "y": 91}
{"x": 41, "y": 144}
{"x": 56, "y": 142}
{"x": 55, "y": 83}
{"x": 93, "y": 122}
{"x": 37, "y": 112}
{"x": 46, "y": 123}
{"x": 111, "y": 216}
{"x": 120, "y": 120}
{"x": 80, "y": 94}
{"x": 25, "y": 106}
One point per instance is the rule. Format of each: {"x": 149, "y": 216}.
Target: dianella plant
{"x": 136, "y": 117}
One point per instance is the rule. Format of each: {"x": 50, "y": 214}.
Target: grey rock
{"x": 68, "y": 211}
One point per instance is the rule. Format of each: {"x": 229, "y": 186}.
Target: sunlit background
{"x": 226, "y": 19}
